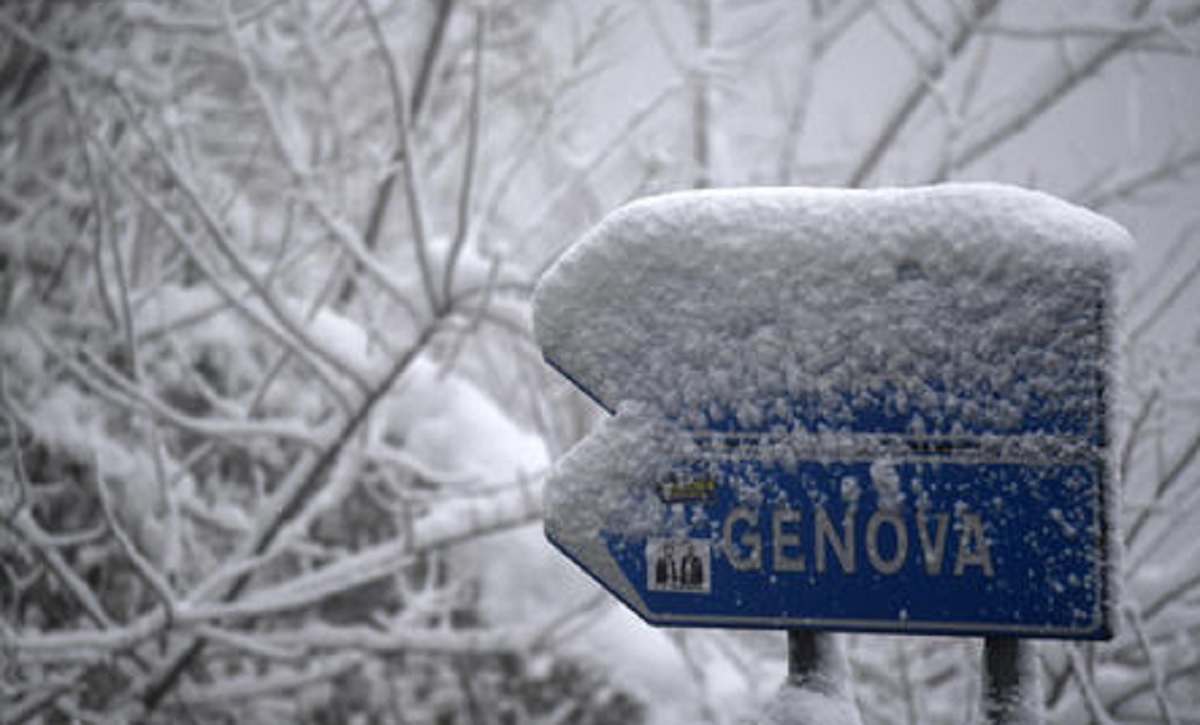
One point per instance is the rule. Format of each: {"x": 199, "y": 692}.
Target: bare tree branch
{"x": 416, "y": 102}
{"x": 158, "y": 585}
{"x": 470, "y": 159}
{"x": 1173, "y": 473}
{"x": 403, "y": 122}
{"x": 289, "y": 503}
{"x": 290, "y": 337}
{"x": 1121, "y": 189}
{"x": 701, "y": 102}
{"x": 1052, "y": 86}
{"x": 1134, "y": 616}
{"x": 917, "y": 92}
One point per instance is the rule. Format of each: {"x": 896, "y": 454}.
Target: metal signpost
{"x": 893, "y": 490}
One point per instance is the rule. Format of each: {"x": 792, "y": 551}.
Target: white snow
{"x": 820, "y": 691}
{"x": 887, "y": 483}
{"x": 714, "y": 305}
{"x": 807, "y": 706}
{"x": 457, "y": 433}
{"x": 440, "y": 414}
{"x": 608, "y": 473}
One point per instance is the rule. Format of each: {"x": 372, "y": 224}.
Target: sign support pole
{"x": 808, "y": 657}
{"x": 817, "y": 668}
{"x": 1012, "y": 688}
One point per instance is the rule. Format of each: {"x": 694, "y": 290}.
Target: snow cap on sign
{"x": 755, "y": 308}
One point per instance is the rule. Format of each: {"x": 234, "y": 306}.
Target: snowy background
{"x": 274, "y": 426}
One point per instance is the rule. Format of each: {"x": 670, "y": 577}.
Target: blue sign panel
{"x": 923, "y": 543}
{"x": 905, "y": 432}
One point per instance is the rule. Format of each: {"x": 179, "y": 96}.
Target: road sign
{"x": 875, "y": 411}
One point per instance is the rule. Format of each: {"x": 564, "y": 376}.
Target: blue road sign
{"x": 902, "y": 432}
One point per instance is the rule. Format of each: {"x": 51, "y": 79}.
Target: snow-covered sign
{"x": 855, "y": 410}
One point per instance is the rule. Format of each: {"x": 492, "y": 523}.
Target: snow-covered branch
{"x": 1048, "y": 87}
{"x": 412, "y": 178}
{"x": 1106, "y": 192}
{"x": 919, "y": 89}
{"x": 286, "y": 334}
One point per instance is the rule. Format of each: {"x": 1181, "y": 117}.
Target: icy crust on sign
{"x": 602, "y": 485}
{"x": 955, "y": 309}
{"x": 608, "y": 473}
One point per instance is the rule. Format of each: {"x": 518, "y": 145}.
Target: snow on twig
{"x": 1100, "y": 196}
{"x": 318, "y": 360}
{"x": 289, "y": 501}
{"x": 101, "y": 234}
{"x": 147, "y": 13}
{"x": 25, "y": 525}
{"x": 450, "y": 523}
{"x": 118, "y": 390}
{"x": 412, "y": 179}
{"x": 593, "y": 163}
{"x": 916, "y": 93}
{"x": 548, "y": 110}
{"x": 1166, "y": 481}
{"x": 1134, "y": 616}
{"x": 249, "y": 643}
{"x": 1094, "y": 29}
{"x": 1048, "y": 88}
{"x": 161, "y": 588}
{"x": 323, "y": 637}
{"x": 225, "y": 245}
{"x": 350, "y": 240}
{"x": 466, "y": 193}
{"x": 1087, "y": 687}
{"x": 265, "y": 106}
{"x": 21, "y": 496}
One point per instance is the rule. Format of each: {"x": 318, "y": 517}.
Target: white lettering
{"x": 934, "y": 551}
{"x": 750, "y": 539}
{"x": 979, "y": 554}
{"x": 782, "y": 541}
{"x": 745, "y": 546}
{"x": 878, "y": 561}
{"x": 843, "y": 548}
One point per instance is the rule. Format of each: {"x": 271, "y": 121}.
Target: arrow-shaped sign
{"x": 862, "y": 410}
